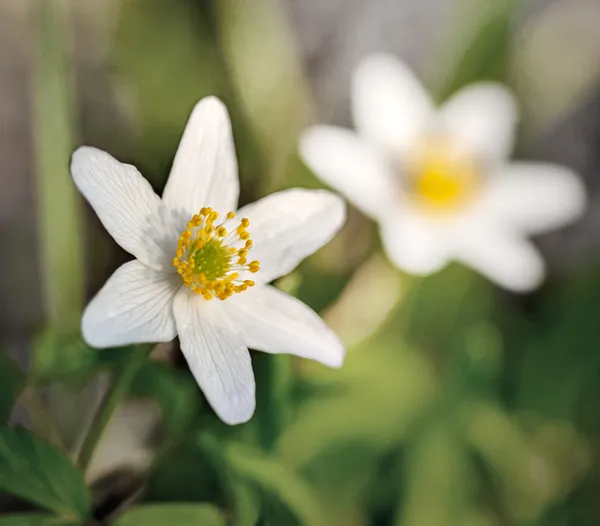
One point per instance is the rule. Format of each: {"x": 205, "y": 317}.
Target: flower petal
{"x": 274, "y": 322}
{"x": 134, "y": 306}
{"x": 351, "y": 166}
{"x": 534, "y": 197}
{"x": 290, "y": 225}
{"x": 204, "y": 171}
{"x": 506, "y": 259}
{"x": 217, "y": 356}
{"x": 483, "y": 118}
{"x": 389, "y": 105}
{"x": 124, "y": 202}
{"x": 413, "y": 243}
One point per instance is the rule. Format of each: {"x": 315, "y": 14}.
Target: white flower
{"x": 438, "y": 181}
{"x": 188, "y": 259}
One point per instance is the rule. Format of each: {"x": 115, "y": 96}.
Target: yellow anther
{"x": 208, "y": 259}
{"x": 443, "y": 177}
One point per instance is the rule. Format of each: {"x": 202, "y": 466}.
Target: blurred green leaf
{"x": 185, "y": 473}
{"x": 272, "y": 476}
{"x": 440, "y": 307}
{"x": 175, "y": 391}
{"x": 35, "y": 519}
{"x": 175, "y": 514}
{"x": 244, "y": 495}
{"x": 382, "y": 388}
{"x": 166, "y": 57}
{"x": 259, "y": 51}
{"x": 557, "y": 350}
{"x": 440, "y": 483}
{"x": 33, "y": 470}
{"x": 485, "y": 55}
{"x": 57, "y": 357}
{"x": 12, "y": 381}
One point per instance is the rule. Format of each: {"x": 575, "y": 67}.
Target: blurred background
{"x": 459, "y": 403}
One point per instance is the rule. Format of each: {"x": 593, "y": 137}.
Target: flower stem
{"x": 61, "y": 250}
{"x": 113, "y": 397}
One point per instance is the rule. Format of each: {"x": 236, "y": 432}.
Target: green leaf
{"x": 12, "y": 381}
{"x": 272, "y": 476}
{"x": 175, "y": 514}
{"x": 35, "y": 519}
{"x": 33, "y": 470}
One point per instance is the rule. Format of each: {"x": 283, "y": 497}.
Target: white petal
{"x": 274, "y": 322}
{"x": 413, "y": 243}
{"x": 204, "y": 171}
{"x": 351, "y": 166}
{"x": 134, "y": 306}
{"x": 288, "y": 226}
{"x": 534, "y": 197}
{"x": 389, "y": 105}
{"x": 124, "y": 202}
{"x": 483, "y": 119}
{"x": 507, "y": 260}
{"x": 217, "y": 356}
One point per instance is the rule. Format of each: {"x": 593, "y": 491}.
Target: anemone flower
{"x": 438, "y": 180}
{"x": 202, "y": 270}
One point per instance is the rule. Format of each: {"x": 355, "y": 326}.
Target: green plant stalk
{"x": 114, "y": 396}
{"x": 59, "y": 216}
{"x": 274, "y": 377}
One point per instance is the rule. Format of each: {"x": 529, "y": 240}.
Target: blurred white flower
{"x": 438, "y": 181}
{"x": 188, "y": 259}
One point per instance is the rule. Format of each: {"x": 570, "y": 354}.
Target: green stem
{"x": 274, "y": 376}
{"x": 113, "y": 397}
{"x": 59, "y": 216}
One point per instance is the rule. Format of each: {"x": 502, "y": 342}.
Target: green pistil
{"x": 212, "y": 260}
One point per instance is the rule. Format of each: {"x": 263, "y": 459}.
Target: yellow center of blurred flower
{"x": 442, "y": 178}
{"x": 209, "y": 259}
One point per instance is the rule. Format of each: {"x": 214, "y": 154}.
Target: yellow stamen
{"x": 443, "y": 177}
{"x": 207, "y": 258}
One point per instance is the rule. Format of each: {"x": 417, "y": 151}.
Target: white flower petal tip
{"x": 124, "y": 202}
{"x": 289, "y": 226}
{"x": 507, "y": 260}
{"x": 134, "y": 306}
{"x": 217, "y": 356}
{"x": 272, "y": 321}
{"x": 204, "y": 171}
{"x": 482, "y": 118}
{"x": 414, "y": 245}
{"x": 534, "y": 197}
{"x": 389, "y": 105}
{"x": 348, "y": 163}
